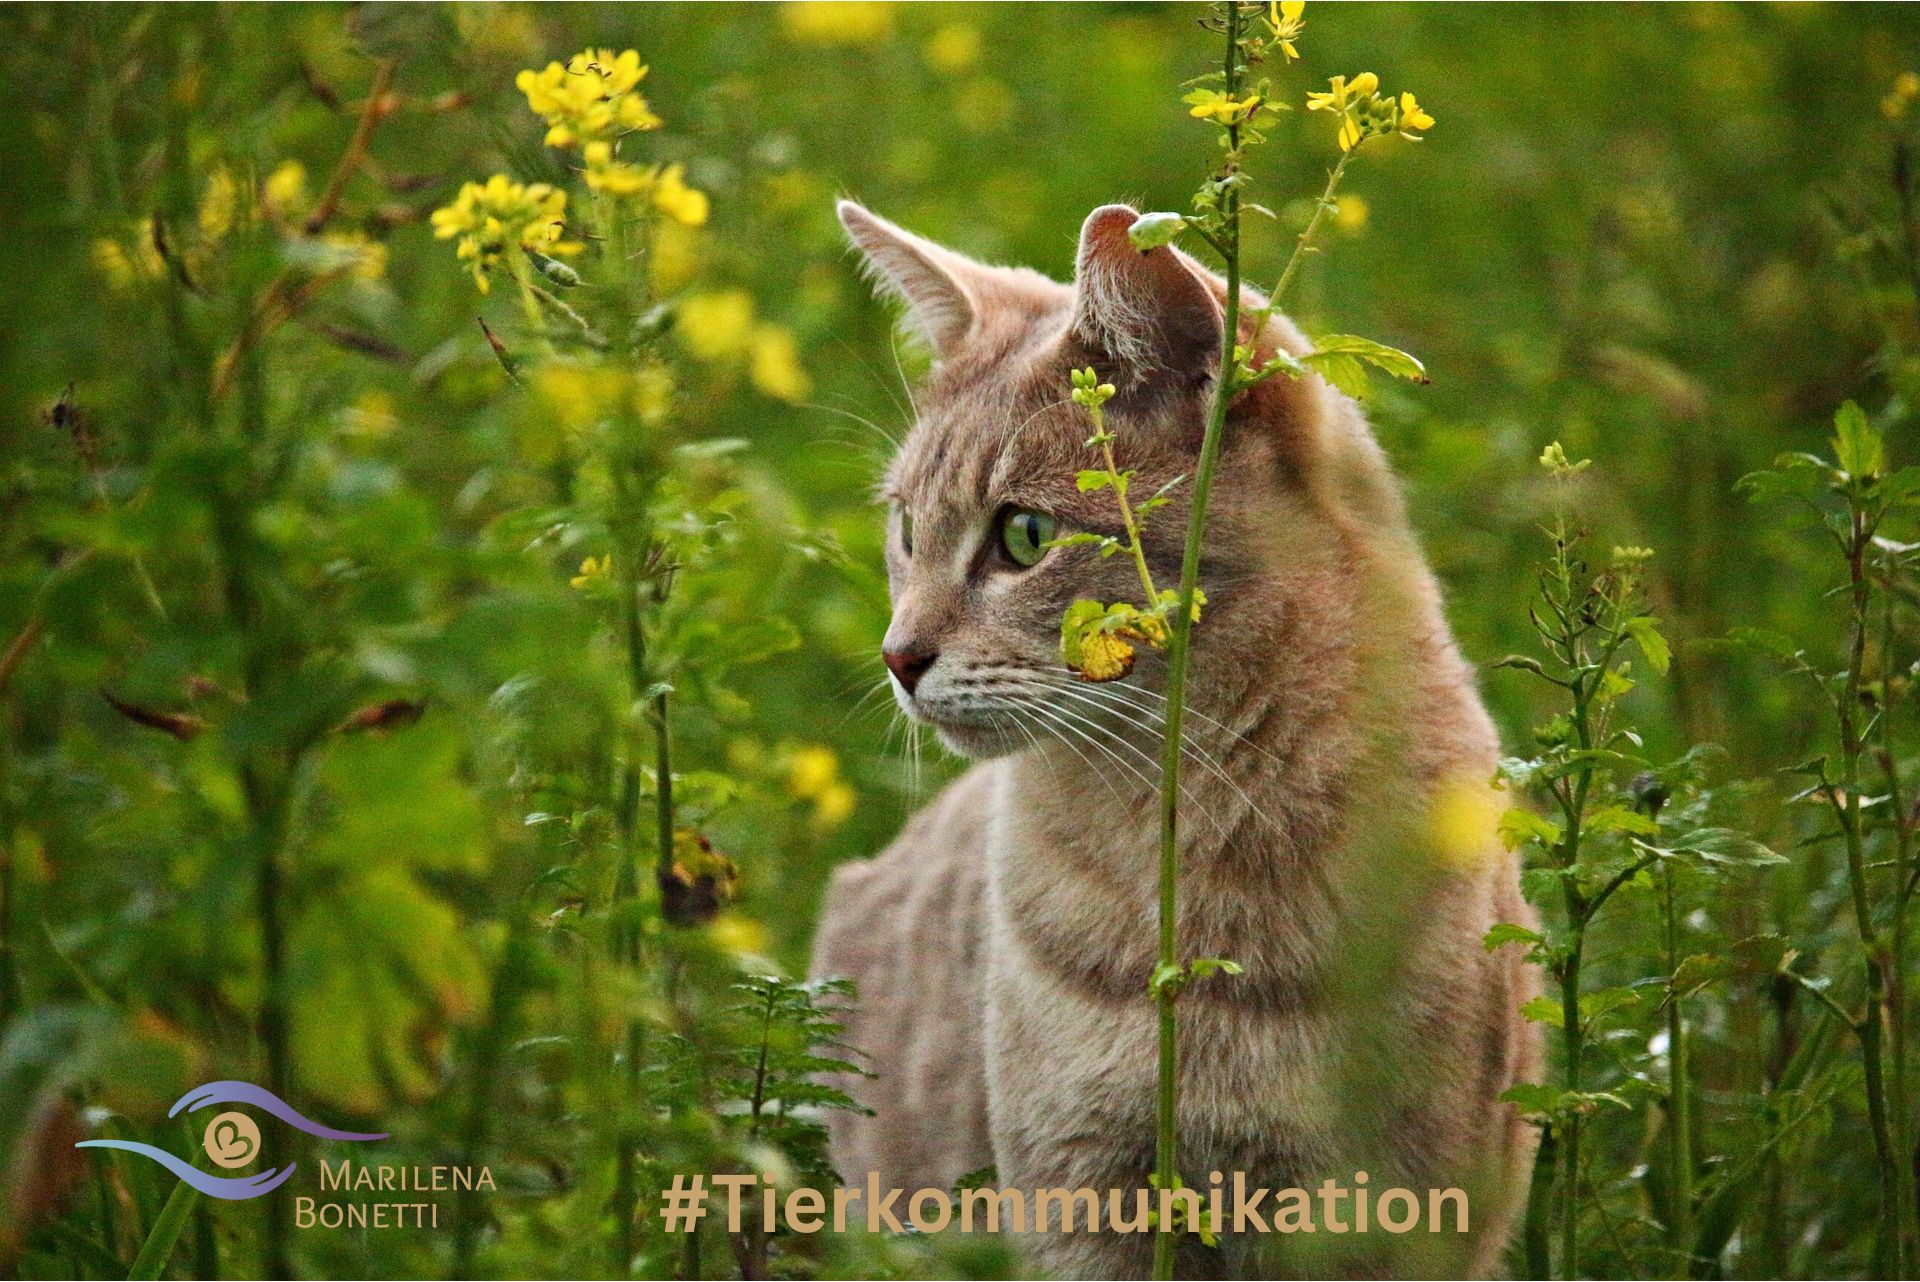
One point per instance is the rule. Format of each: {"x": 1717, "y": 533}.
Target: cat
{"x": 1337, "y": 825}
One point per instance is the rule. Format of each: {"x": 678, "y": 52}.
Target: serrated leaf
{"x": 1543, "y": 1010}
{"x": 1857, "y": 447}
{"x": 1388, "y": 359}
{"x": 1620, "y": 819}
{"x": 1604, "y": 1001}
{"x": 1646, "y": 634}
{"x": 1505, "y": 932}
{"x": 1520, "y": 825}
{"x": 1092, "y": 479}
{"x": 1727, "y": 847}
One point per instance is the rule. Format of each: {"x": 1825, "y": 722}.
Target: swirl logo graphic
{"x": 232, "y": 1139}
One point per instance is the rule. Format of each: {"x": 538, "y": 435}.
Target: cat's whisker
{"x": 889, "y": 439}
{"x": 867, "y": 705}
{"x": 1084, "y": 693}
{"x": 1188, "y": 710}
{"x": 1053, "y": 727}
{"x": 1152, "y": 762}
{"x": 906, "y": 384}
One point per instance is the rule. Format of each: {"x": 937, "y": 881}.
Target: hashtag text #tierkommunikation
{"x": 1226, "y": 1205}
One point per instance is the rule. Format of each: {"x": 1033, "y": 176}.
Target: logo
{"x": 232, "y": 1140}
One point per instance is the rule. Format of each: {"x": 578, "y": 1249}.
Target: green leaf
{"x": 1202, "y": 967}
{"x": 1727, "y": 847}
{"x": 1150, "y": 231}
{"x": 1604, "y": 1001}
{"x": 1390, "y": 360}
{"x": 1620, "y": 819}
{"x": 1646, "y": 634}
{"x": 1345, "y": 372}
{"x": 1075, "y": 624}
{"x": 1506, "y": 932}
{"x": 1857, "y": 447}
{"x": 1535, "y": 1099}
{"x": 1520, "y": 825}
{"x": 1093, "y": 479}
{"x": 1544, "y": 1010}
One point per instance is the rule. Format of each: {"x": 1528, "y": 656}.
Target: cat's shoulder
{"x": 925, "y": 885}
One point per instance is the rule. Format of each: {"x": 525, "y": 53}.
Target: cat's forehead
{"x": 985, "y": 430}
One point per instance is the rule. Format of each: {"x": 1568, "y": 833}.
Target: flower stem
{"x": 1126, "y": 511}
{"x": 1167, "y": 1133}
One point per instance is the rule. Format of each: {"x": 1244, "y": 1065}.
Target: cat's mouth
{"x": 967, "y": 723}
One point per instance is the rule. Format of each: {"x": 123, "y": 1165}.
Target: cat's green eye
{"x": 1025, "y": 534}
{"x": 906, "y": 531}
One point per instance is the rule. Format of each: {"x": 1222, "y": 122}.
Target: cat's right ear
{"x": 931, "y": 279}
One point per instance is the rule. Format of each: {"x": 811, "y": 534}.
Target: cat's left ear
{"x": 1153, "y": 313}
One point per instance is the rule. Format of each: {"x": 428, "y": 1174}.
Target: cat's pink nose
{"x": 908, "y": 666}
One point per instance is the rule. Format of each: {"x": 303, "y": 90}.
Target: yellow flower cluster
{"x": 591, "y": 103}
{"x": 590, "y": 99}
{"x": 130, "y": 261}
{"x": 813, "y": 774}
{"x": 720, "y": 327}
{"x": 1364, "y": 113}
{"x": 837, "y": 22}
{"x": 492, "y": 217}
{"x": 224, "y": 209}
{"x": 666, "y": 187}
{"x": 576, "y": 396}
{"x": 1284, "y": 16}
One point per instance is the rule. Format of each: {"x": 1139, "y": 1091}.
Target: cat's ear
{"x": 1153, "y": 313}
{"x": 939, "y": 286}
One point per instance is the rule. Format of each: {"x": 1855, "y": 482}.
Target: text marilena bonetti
{"x": 362, "y": 1212}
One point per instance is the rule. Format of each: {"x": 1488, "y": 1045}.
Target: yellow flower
{"x": 775, "y": 366}
{"x": 716, "y": 326}
{"x": 356, "y": 253}
{"x": 614, "y": 177}
{"x": 813, "y": 774}
{"x": 492, "y": 217}
{"x": 285, "y": 193}
{"x": 1364, "y": 113}
{"x": 1412, "y": 118}
{"x": 1105, "y": 657}
{"x": 124, "y": 269}
{"x": 218, "y": 205}
{"x": 741, "y": 936}
{"x": 1906, "y": 88}
{"x": 1284, "y": 16}
{"x": 653, "y": 394}
{"x": 672, "y": 197}
{"x": 953, "y": 48}
{"x": 811, "y": 770}
{"x": 832, "y": 807}
{"x": 1342, "y": 94}
{"x": 1221, "y": 108}
{"x": 837, "y": 22}
{"x": 591, "y": 99}
{"x": 578, "y": 396}
{"x": 592, "y": 571}
{"x": 1350, "y": 214}
{"x": 676, "y": 255}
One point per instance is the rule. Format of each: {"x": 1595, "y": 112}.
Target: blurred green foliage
{"x": 1660, "y": 236}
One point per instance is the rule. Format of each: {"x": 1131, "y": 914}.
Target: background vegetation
{"x": 317, "y": 766}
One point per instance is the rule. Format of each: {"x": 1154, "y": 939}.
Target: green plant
{"x": 1097, "y": 639}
